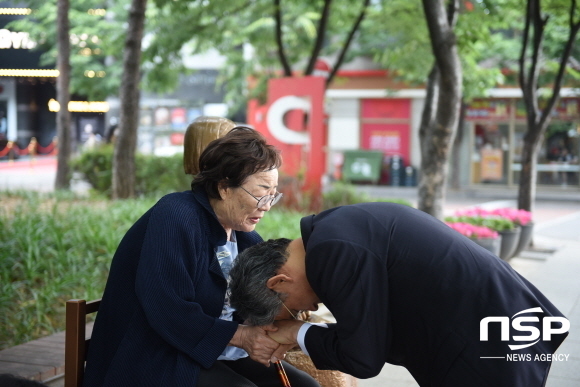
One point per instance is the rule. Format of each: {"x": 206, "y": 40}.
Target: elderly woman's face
{"x": 238, "y": 210}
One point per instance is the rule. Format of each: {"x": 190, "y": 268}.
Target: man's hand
{"x": 255, "y": 341}
{"x": 287, "y": 331}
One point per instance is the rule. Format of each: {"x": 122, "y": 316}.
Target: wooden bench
{"x": 77, "y": 340}
{"x": 41, "y": 360}
{"x": 44, "y": 359}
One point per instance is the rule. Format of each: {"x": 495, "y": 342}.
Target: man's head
{"x": 268, "y": 282}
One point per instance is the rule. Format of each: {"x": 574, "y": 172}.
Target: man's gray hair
{"x": 254, "y": 302}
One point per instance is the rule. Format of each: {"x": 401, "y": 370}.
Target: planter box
{"x": 490, "y": 244}
{"x": 509, "y": 242}
{"x": 525, "y": 238}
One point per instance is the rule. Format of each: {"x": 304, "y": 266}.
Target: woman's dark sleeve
{"x": 166, "y": 289}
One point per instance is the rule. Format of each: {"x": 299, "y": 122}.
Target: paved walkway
{"x": 35, "y": 174}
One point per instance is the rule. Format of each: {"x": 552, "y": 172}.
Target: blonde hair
{"x": 198, "y": 135}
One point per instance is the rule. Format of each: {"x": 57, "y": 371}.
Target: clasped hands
{"x": 267, "y": 343}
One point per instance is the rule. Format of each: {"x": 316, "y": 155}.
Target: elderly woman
{"x": 164, "y": 319}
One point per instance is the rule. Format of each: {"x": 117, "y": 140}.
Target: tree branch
{"x": 574, "y": 28}
{"x": 522, "y": 61}
{"x": 538, "y": 29}
{"x": 429, "y": 109}
{"x": 319, "y": 38}
{"x": 442, "y": 36}
{"x": 452, "y": 9}
{"x": 346, "y": 45}
{"x": 572, "y": 10}
{"x": 279, "y": 43}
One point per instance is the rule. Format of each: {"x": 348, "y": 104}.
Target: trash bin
{"x": 397, "y": 174}
{"x": 410, "y": 176}
{"x": 362, "y": 165}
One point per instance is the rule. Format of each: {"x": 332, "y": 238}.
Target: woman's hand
{"x": 287, "y": 331}
{"x": 258, "y": 344}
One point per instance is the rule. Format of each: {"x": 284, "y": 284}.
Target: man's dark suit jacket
{"x": 159, "y": 319}
{"x": 408, "y": 290}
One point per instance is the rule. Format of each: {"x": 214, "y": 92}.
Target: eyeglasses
{"x": 271, "y": 199}
{"x": 294, "y": 316}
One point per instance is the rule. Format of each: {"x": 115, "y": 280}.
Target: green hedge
{"x": 495, "y": 223}
{"x": 342, "y": 194}
{"x": 54, "y": 248}
{"x": 154, "y": 175}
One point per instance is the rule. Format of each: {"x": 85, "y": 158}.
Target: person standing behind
{"x": 198, "y": 134}
{"x": 164, "y": 319}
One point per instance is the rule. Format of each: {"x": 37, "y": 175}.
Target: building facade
{"x": 367, "y": 110}
{"x": 28, "y": 91}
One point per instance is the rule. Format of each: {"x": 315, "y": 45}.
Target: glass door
{"x": 557, "y": 163}
{"x": 490, "y": 155}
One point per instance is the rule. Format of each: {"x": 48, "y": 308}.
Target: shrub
{"x": 279, "y": 223}
{"x": 342, "y": 194}
{"x": 160, "y": 175}
{"x": 473, "y": 231}
{"x": 54, "y": 248}
{"x": 154, "y": 175}
{"x": 518, "y": 217}
{"x": 495, "y": 223}
{"x": 96, "y": 166}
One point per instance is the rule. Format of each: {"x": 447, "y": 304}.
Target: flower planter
{"x": 509, "y": 242}
{"x": 525, "y": 238}
{"x": 490, "y": 244}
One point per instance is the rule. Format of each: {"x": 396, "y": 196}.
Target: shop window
{"x": 558, "y": 159}
{"x": 489, "y": 162}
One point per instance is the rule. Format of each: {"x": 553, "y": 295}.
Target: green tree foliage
{"x": 393, "y": 33}
{"x": 402, "y": 44}
{"x": 488, "y": 37}
{"x": 241, "y": 30}
{"x": 97, "y": 34}
{"x": 244, "y": 32}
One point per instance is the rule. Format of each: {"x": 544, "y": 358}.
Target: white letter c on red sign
{"x": 275, "y": 119}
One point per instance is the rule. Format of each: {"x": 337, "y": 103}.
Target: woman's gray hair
{"x": 254, "y": 302}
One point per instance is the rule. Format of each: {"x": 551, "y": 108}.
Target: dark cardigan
{"x": 159, "y": 318}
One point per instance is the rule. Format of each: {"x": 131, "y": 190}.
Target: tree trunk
{"x": 438, "y": 133}
{"x": 527, "y": 187}
{"x": 63, "y": 120}
{"x": 538, "y": 120}
{"x": 455, "y": 181}
{"x": 126, "y": 143}
{"x": 528, "y": 176}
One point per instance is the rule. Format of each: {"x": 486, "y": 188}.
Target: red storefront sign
{"x": 293, "y": 121}
{"x": 566, "y": 109}
{"x": 488, "y": 109}
{"x": 386, "y": 126}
